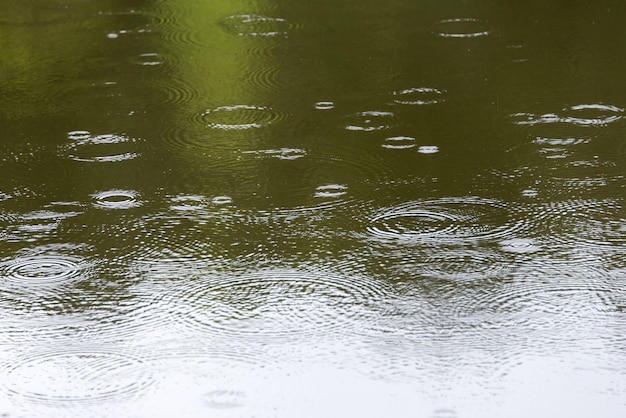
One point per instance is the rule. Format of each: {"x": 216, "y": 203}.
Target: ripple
{"x": 73, "y": 375}
{"x": 585, "y": 224}
{"x": 419, "y": 96}
{"x": 331, "y": 190}
{"x": 41, "y": 269}
{"x": 592, "y": 114}
{"x": 544, "y": 301}
{"x": 266, "y": 76}
{"x": 369, "y": 121}
{"x": 100, "y": 148}
{"x": 127, "y": 23}
{"x": 223, "y": 399}
{"x": 428, "y": 149}
{"x": 275, "y": 304}
{"x": 281, "y": 153}
{"x": 580, "y": 115}
{"x": 174, "y": 90}
{"x": 149, "y": 59}
{"x": 239, "y": 117}
{"x": 325, "y": 105}
{"x": 257, "y": 25}
{"x": 461, "y": 28}
{"x": 399, "y": 142}
{"x": 116, "y": 199}
{"x": 464, "y": 265}
{"x": 465, "y": 218}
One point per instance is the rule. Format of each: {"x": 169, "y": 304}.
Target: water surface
{"x": 292, "y": 209}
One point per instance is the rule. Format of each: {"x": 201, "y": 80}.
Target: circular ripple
{"x": 281, "y": 153}
{"x": 445, "y": 219}
{"x": 461, "y": 28}
{"x": 544, "y": 299}
{"x": 257, "y": 25}
{"x": 116, "y": 199}
{"x": 279, "y": 303}
{"x": 369, "y": 121}
{"x": 419, "y": 96}
{"x": 580, "y": 115}
{"x": 100, "y": 148}
{"x": 592, "y": 114}
{"x": 325, "y": 105}
{"x": 239, "y": 117}
{"x": 428, "y": 149}
{"x": 585, "y": 224}
{"x": 42, "y": 268}
{"x": 77, "y": 375}
{"x": 175, "y": 90}
{"x": 399, "y": 142}
{"x": 149, "y": 59}
{"x": 331, "y": 190}
{"x": 464, "y": 265}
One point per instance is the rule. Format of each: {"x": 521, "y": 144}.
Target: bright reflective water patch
{"x": 74, "y": 375}
{"x": 278, "y": 304}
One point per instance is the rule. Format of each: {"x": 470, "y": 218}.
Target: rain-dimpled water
{"x": 271, "y": 208}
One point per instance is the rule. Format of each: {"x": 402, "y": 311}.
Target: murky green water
{"x": 304, "y": 209}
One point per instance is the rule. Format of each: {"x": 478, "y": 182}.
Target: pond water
{"x": 299, "y": 209}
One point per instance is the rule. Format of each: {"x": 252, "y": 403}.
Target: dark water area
{"x": 303, "y": 209}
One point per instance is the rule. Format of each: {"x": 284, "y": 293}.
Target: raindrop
{"x": 419, "y": 96}
{"x": 520, "y": 245}
{"x": 464, "y": 218}
{"x": 592, "y": 114}
{"x": 41, "y": 269}
{"x": 281, "y": 153}
{"x": 461, "y": 28}
{"x": 100, "y": 148}
{"x": 428, "y": 149}
{"x": 149, "y": 59}
{"x": 222, "y": 200}
{"x": 331, "y": 190}
{"x": 369, "y": 121}
{"x": 324, "y": 105}
{"x": 239, "y": 117}
{"x": 399, "y": 142}
{"x": 116, "y": 199}
{"x": 257, "y": 25}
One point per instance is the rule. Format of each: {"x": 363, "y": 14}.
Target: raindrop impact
{"x": 116, "y": 199}
{"x": 460, "y": 28}
{"x": 419, "y": 96}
